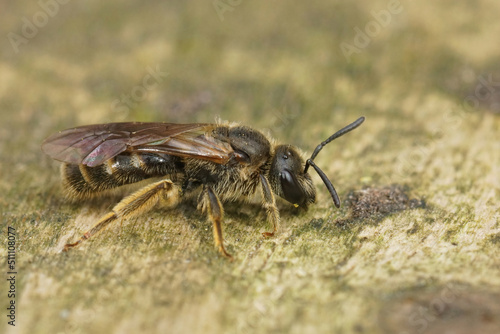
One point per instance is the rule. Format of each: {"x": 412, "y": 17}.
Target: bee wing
{"x": 92, "y": 145}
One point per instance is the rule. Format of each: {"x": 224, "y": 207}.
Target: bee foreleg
{"x": 215, "y": 213}
{"x": 269, "y": 203}
{"x": 143, "y": 200}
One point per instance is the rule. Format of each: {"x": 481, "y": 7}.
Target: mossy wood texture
{"x": 415, "y": 246}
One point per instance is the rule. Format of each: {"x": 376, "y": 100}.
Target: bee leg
{"x": 269, "y": 203}
{"x": 215, "y": 214}
{"x": 139, "y": 202}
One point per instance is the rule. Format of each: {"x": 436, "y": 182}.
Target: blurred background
{"x": 425, "y": 75}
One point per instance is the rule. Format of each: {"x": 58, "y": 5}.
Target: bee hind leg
{"x": 143, "y": 200}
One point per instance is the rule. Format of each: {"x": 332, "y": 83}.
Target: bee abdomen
{"x": 82, "y": 181}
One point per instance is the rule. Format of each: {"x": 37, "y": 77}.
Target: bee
{"x": 212, "y": 163}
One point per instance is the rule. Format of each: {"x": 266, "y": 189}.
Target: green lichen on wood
{"x": 428, "y": 86}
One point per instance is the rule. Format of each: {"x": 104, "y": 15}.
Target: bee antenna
{"x": 327, "y": 183}
{"x": 337, "y": 134}
{"x": 310, "y": 161}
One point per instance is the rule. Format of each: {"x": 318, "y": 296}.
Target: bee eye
{"x": 292, "y": 190}
{"x": 285, "y": 156}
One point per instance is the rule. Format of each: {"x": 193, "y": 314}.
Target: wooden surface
{"x": 413, "y": 249}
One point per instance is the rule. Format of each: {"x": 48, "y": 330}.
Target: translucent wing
{"x": 92, "y": 145}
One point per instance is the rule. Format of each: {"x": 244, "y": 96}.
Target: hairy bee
{"x": 215, "y": 162}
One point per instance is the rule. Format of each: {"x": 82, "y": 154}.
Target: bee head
{"x": 288, "y": 178}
